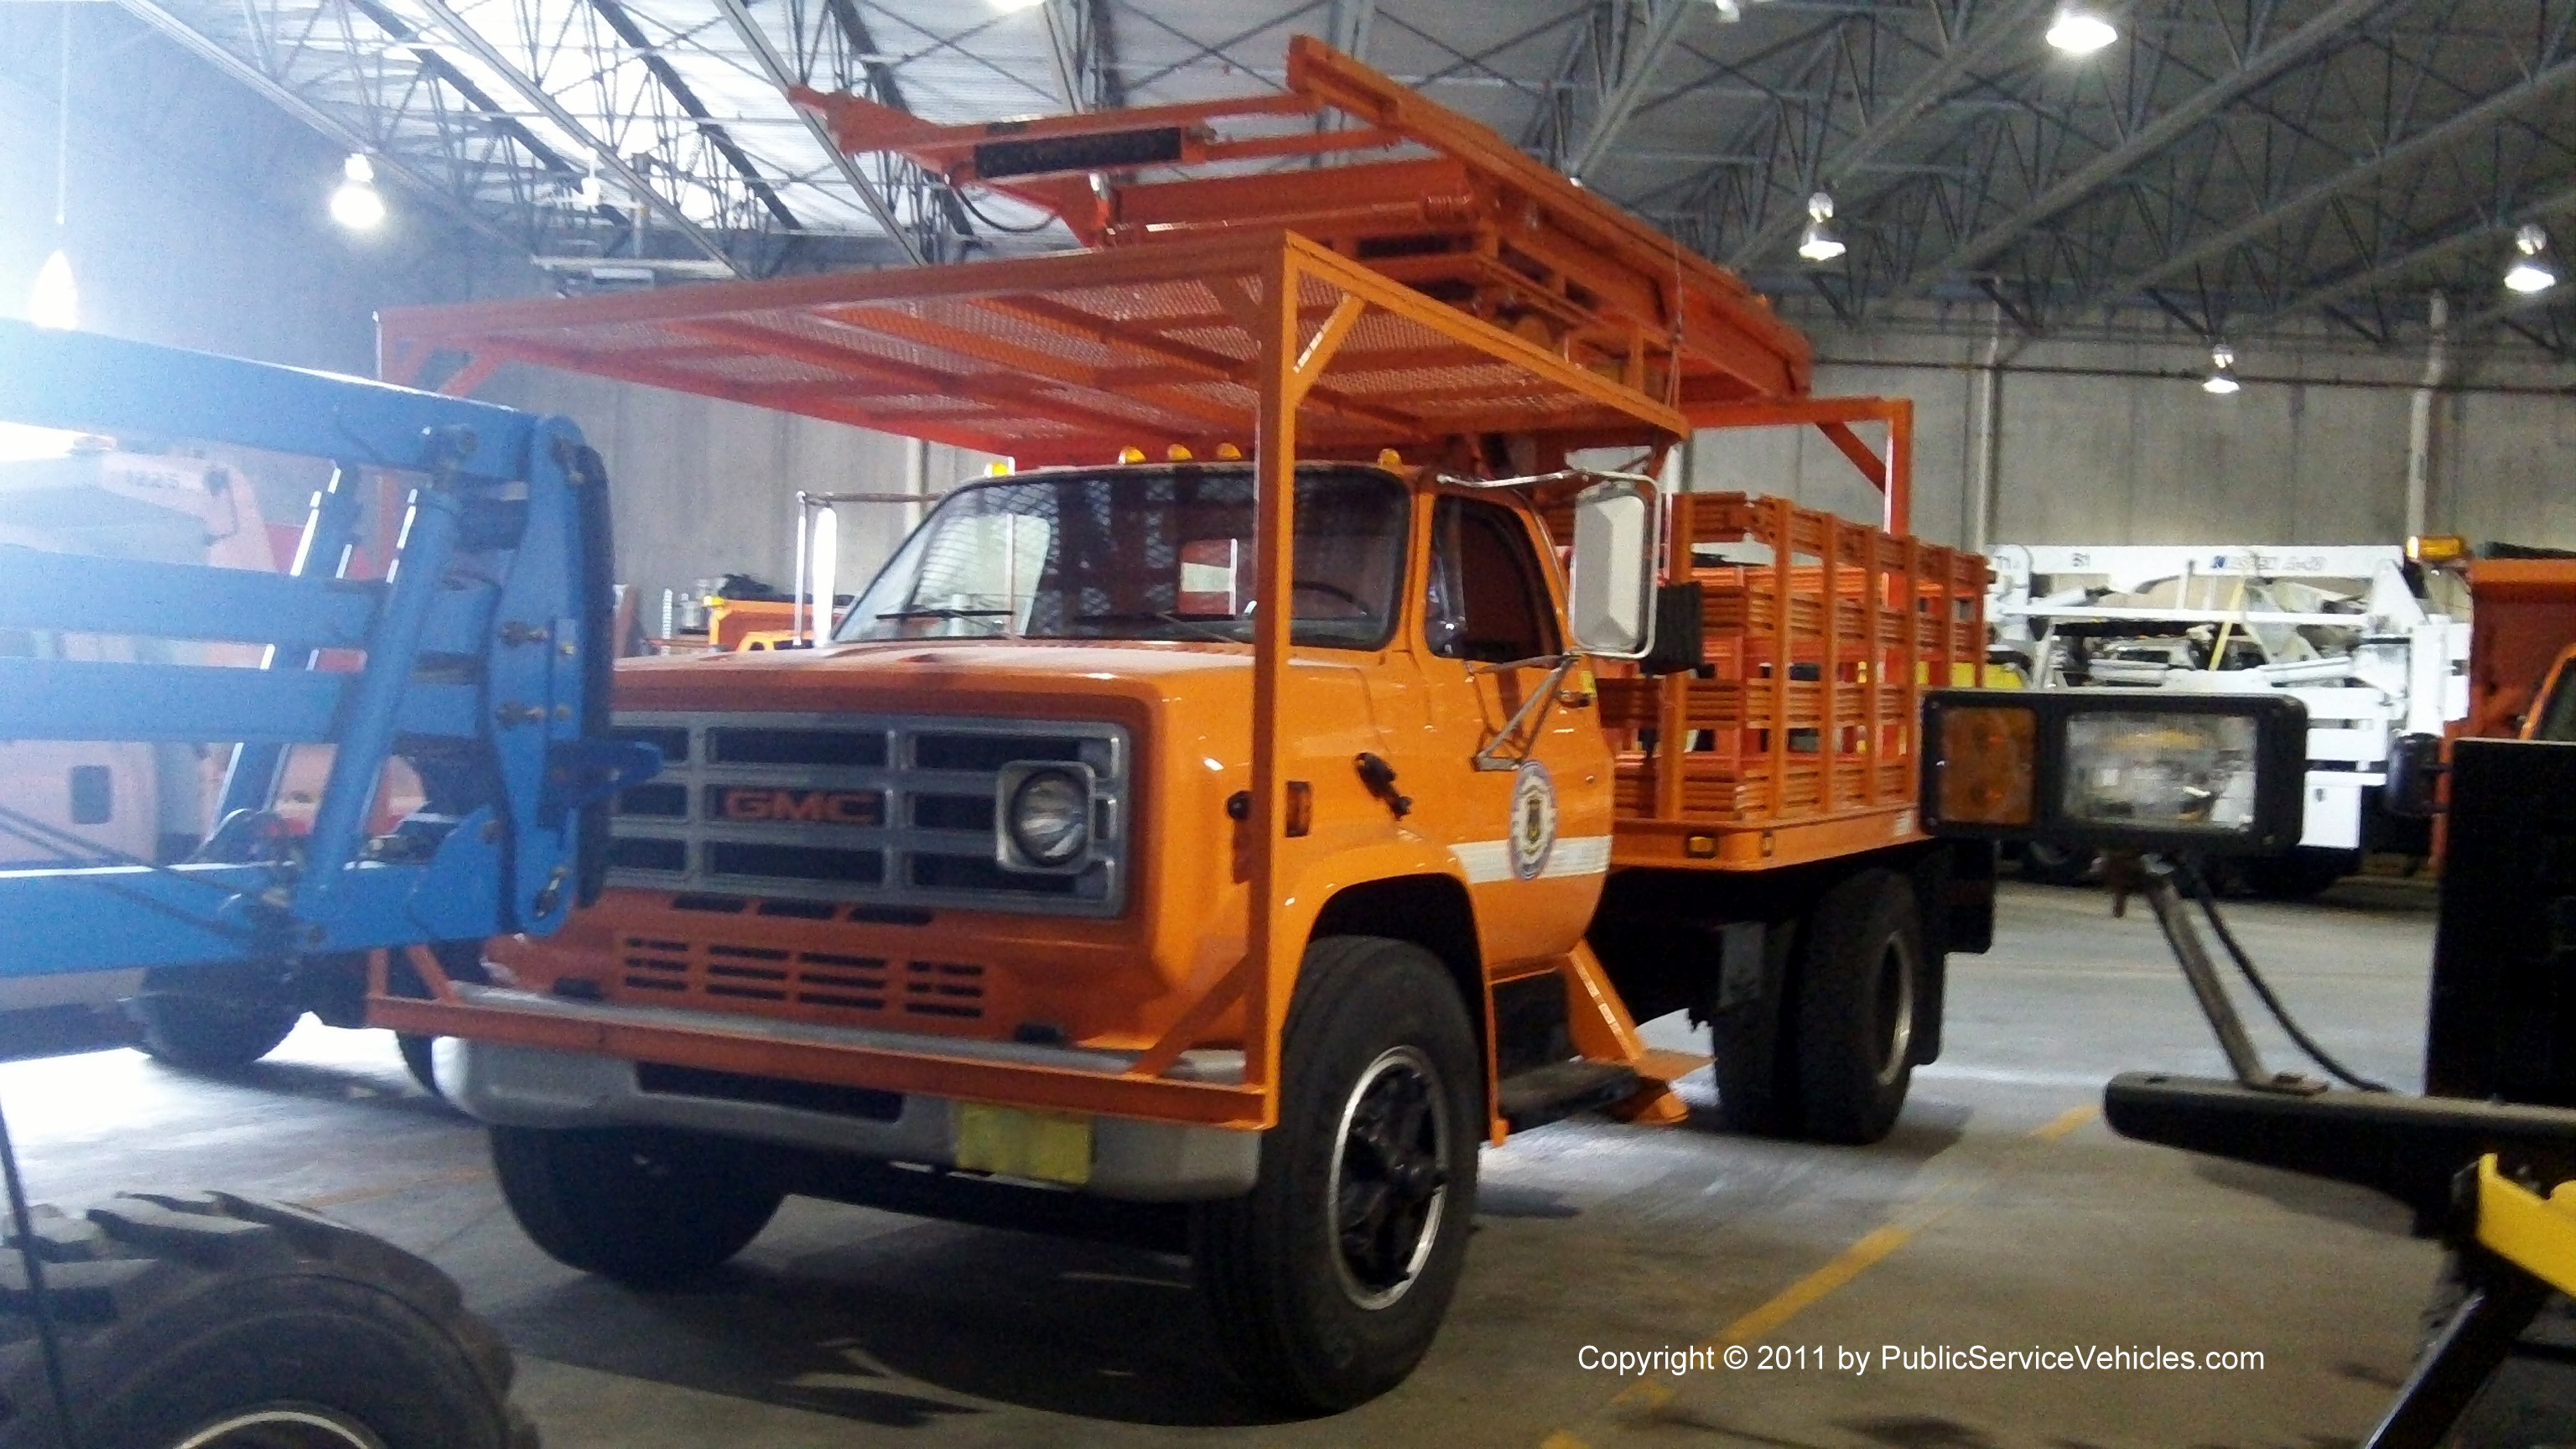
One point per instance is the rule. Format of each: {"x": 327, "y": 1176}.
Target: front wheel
{"x": 205, "y": 1019}
{"x": 646, "y": 1206}
{"x": 1329, "y": 1279}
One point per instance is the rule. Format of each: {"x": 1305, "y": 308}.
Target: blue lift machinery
{"x": 486, "y": 656}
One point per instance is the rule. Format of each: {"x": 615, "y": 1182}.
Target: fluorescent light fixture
{"x": 2081, "y": 32}
{"x": 2531, "y": 273}
{"x": 20, "y": 443}
{"x": 1819, "y": 244}
{"x": 54, "y": 300}
{"x": 2222, "y": 372}
{"x": 1013, "y": 7}
{"x": 356, "y": 205}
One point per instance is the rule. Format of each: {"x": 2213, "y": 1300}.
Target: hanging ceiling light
{"x": 2079, "y": 31}
{"x": 356, "y": 205}
{"x": 2222, "y": 372}
{"x": 1820, "y": 244}
{"x": 54, "y": 301}
{"x": 2531, "y": 272}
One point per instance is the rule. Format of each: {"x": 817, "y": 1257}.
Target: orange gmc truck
{"x": 1303, "y": 767}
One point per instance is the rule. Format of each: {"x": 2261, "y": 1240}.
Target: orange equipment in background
{"x": 2522, "y": 616}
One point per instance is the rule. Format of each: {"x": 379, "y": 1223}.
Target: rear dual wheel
{"x": 1826, "y": 1051}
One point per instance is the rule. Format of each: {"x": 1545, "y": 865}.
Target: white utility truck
{"x": 2343, "y": 628}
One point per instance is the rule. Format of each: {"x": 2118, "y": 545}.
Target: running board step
{"x": 1546, "y": 1094}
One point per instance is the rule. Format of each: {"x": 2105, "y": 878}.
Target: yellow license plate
{"x": 1010, "y": 1142}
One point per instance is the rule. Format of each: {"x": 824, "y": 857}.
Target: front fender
{"x": 1313, "y": 885}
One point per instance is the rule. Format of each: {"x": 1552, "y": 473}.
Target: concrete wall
{"x": 705, "y": 487}
{"x": 2103, "y": 443}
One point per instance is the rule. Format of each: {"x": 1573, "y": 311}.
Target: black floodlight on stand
{"x": 2116, "y": 769}
{"x": 2156, "y": 781}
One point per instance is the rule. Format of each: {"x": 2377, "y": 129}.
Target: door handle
{"x": 1379, "y": 777}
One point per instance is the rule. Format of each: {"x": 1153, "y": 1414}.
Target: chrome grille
{"x": 888, "y": 810}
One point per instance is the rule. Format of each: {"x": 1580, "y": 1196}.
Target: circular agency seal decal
{"x": 1533, "y": 819}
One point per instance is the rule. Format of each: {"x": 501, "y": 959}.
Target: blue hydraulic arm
{"x": 486, "y": 656}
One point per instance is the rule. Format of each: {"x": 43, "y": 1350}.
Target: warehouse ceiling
{"x": 2226, "y": 168}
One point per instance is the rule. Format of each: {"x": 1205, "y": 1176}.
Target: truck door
{"x": 1530, "y": 828}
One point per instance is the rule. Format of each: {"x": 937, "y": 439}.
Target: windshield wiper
{"x": 1203, "y": 630}
{"x": 943, "y": 614}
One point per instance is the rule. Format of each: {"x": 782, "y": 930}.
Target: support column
{"x": 1985, "y": 440}
{"x": 2422, "y": 431}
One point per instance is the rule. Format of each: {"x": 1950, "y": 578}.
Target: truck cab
{"x": 1004, "y": 807}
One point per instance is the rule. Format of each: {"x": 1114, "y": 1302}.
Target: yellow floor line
{"x": 457, "y": 1178}
{"x": 1846, "y": 1265}
{"x": 1850, "y": 1263}
{"x": 2065, "y": 1122}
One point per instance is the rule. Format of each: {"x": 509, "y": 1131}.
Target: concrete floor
{"x": 2001, "y": 1213}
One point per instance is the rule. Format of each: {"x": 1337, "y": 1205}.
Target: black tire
{"x": 2059, "y": 865}
{"x": 1379, "y": 1079}
{"x": 418, "y": 1060}
{"x": 180, "y": 1313}
{"x": 2301, "y": 875}
{"x": 1755, "y": 1070}
{"x": 209, "y": 1021}
{"x": 646, "y": 1206}
{"x": 1860, "y": 975}
{"x": 461, "y": 961}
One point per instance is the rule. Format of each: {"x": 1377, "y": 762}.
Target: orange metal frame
{"x": 1476, "y": 222}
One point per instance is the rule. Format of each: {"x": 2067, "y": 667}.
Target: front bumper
{"x": 517, "y": 1085}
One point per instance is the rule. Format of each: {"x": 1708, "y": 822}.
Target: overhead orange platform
{"x": 1455, "y": 211}
{"x": 1064, "y": 358}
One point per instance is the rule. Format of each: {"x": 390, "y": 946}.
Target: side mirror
{"x": 1613, "y": 585}
{"x": 2414, "y": 775}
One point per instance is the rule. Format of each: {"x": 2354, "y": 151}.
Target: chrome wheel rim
{"x": 283, "y": 1426}
{"x": 1895, "y": 1000}
{"x": 1389, "y": 1187}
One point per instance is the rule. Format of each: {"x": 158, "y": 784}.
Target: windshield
{"x": 1140, "y": 553}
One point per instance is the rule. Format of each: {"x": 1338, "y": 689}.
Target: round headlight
{"x": 1050, "y": 817}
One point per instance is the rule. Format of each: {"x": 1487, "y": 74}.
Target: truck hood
{"x": 936, "y": 676}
